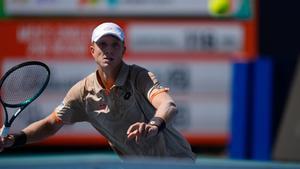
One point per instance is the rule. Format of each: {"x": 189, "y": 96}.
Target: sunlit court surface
{"x": 111, "y": 161}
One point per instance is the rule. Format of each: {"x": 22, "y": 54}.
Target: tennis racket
{"x": 19, "y": 87}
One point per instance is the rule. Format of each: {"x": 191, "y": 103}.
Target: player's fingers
{"x": 132, "y": 127}
{"x": 132, "y": 134}
{"x": 142, "y": 129}
{"x": 147, "y": 128}
{"x": 141, "y": 133}
{"x": 152, "y": 131}
{"x": 6, "y": 142}
{"x": 138, "y": 138}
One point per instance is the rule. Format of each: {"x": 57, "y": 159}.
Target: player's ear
{"x": 124, "y": 50}
{"x": 92, "y": 48}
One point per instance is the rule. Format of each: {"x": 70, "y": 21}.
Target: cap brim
{"x": 109, "y": 33}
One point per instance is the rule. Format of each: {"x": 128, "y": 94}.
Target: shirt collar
{"x": 120, "y": 81}
{"x": 97, "y": 85}
{"x": 122, "y": 76}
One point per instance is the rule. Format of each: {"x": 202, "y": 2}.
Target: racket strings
{"x": 23, "y": 84}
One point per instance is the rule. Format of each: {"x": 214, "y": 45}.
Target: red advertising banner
{"x": 161, "y": 39}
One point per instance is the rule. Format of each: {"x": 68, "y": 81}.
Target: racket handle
{"x": 4, "y": 131}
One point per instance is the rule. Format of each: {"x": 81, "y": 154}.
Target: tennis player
{"x": 125, "y": 103}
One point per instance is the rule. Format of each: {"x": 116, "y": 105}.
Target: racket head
{"x": 23, "y": 83}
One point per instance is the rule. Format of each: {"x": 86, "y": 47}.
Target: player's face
{"x": 108, "y": 52}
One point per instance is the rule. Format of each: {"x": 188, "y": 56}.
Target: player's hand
{"x": 140, "y": 130}
{"x": 6, "y": 142}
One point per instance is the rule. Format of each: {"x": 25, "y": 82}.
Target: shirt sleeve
{"x": 72, "y": 109}
{"x": 148, "y": 84}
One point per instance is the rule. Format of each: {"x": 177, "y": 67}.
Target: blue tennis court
{"x": 111, "y": 161}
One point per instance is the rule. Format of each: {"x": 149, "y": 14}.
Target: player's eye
{"x": 101, "y": 44}
{"x": 116, "y": 45}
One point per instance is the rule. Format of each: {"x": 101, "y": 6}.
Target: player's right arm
{"x": 42, "y": 129}
{"x": 71, "y": 110}
{"x": 35, "y": 132}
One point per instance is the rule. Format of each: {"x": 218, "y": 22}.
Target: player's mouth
{"x": 109, "y": 59}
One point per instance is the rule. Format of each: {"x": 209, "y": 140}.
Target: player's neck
{"x": 107, "y": 78}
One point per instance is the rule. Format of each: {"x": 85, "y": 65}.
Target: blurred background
{"x": 234, "y": 77}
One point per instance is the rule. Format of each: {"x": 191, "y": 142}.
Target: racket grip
{"x": 4, "y": 131}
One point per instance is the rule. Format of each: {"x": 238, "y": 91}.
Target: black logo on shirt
{"x": 127, "y": 95}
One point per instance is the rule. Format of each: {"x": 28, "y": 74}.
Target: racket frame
{"x": 7, "y": 123}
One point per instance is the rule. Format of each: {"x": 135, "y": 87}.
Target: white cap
{"x": 107, "y": 28}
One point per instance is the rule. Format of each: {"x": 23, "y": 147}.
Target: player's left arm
{"x": 163, "y": 103}
{"x": 165, "y": 106}
{"x": 165, "y": 112}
